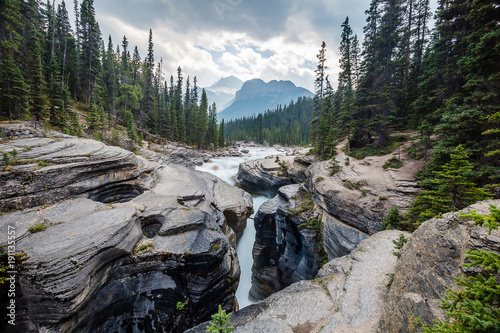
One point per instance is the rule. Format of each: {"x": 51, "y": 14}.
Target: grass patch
{"x": 393, "y": 163}
{"x": 354, "y": 185}
{"x": 38, "y": 227}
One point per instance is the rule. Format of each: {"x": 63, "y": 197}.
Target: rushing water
{"x": 226, "y": 168}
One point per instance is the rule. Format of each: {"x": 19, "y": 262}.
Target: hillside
{"x": 257, "y": 96}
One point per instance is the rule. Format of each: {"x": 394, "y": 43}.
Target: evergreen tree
{"x": 39, "y": 100}
{"x": 90, "y": 38}
{"x": 202, "y": 120}
{"x": 179, "y": 109}
{"x": 450, "y": 189}
{"x": 319, "y": 85}
{"x": 14, "y": 89}
{"x": 149, "y": 101}
{"x": 222, "y": 134}
{"x": 212, "y": 134}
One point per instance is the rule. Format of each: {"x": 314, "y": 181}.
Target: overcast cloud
{"x": 209, "y": 39}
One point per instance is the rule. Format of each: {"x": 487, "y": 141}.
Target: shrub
{"x": 399, "y": 243}
{"x": 220, "y": 322}
{"x": 393, "y": 163}
{"x": 393, "y": 219}
{"x": 334, "y": 167}
{"x": 6, "y": 158}
{"x": 37, "y": 227}
{"x": 474, "y": 308}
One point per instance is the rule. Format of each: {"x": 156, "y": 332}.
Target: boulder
{"x": 428, "y": 265}
{"x": 347, "y": 295}
{"x": 267, "y": 176}
{"x": 109, "y": 241}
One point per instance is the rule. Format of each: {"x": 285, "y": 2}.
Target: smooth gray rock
{"x": 339, "y": 238}
{"x": 118, "y": 253}
{"x": 347, "y": 295}
{"x": 430, "y": 262}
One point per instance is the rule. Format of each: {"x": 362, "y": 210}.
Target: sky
{"x": 210, "y": 39}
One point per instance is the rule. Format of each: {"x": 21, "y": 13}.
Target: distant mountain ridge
{"x": 223, "y": 91}
{"x": 257, "y": 96}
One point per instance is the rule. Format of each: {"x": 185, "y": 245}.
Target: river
{"x": 226, "y": 168}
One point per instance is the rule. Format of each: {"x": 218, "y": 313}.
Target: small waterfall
{"x": 226, "y": 168}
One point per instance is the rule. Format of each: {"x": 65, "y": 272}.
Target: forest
{"x": 442, "y": 83}
{"x": 287, "y": 125}
{"x": 434, "y": 73}
{"x": 49, "y": 70}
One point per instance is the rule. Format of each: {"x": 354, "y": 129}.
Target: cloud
{"x": 267, "y": 39}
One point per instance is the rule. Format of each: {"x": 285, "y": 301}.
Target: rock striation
{"x": 355, "y": 200}
{"x": 347, "y": 295}
{"x": 283, "y": 252}
{"x": 108, "y": 241}
{"x": 429, "y": 262}
{"x": 268, "y": 175}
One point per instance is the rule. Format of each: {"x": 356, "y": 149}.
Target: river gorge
{"x": 226, "y": 168}
{"x": 110, "y": 240}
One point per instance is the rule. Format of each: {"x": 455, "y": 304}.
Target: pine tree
{"x": 90, "y": 38}
{"x": 178, "y": 109}
{"x": 39, "y": 100}
{"x": 149, "y": 101}
{"x": 319, "y": 85}
{"x": 202, "y": 120}
{"x": 212, "y": 134}
{"x": 14, "y": 89}
{"x": 222, "y": 142}
{"x": 450, "y": 189}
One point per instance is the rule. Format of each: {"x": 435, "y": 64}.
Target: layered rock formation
{"x": 269, "y": 174}
{"x": 429, "y": 262}
{"x": 283, "y": 252}
{"x": 347, "y": 295}
{"x": 355, "y": 200}
{"x": 109, "y": 241}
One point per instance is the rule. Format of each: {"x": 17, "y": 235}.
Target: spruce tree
{"x": 37, "y": 85}
{"x": 450, "y": 189}
{"x": 202, "y": 120}
{"x": 222, "y": 142}
{"x": 319, "y": 86}
{"x": 14, "y": 89}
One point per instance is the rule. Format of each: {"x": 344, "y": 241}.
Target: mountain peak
{"x": 257, "y": 96}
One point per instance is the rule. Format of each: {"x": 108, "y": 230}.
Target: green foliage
{"x": 6, "y": 158}
{"x": 474, "y": 307}
{"x": 357, "y": 185}
{"x": 393, "y": 219}
{"x": 286, "y": 125}
{"x": 490, "y": 221}
{"x": 393, "y": 163}
{"x": 313, "y": 224}
{"x": 37, "y": 227}
{"x": 450, "y": 189}
{"x": 391, "y": 280}
{"x": 334, "y": 167}
{"x": 220, "y": 322}
{"x": 400, "y": 242}
{"x": 181, "y": 305}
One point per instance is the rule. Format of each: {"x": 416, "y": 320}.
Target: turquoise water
{"x": 226, "y": 168}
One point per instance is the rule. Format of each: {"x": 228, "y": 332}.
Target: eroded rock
{"x": 118, "y": 241}
{"x": 283, "y": 252}
{"x": 347, "y": 295}
{"x": 430, "y": 262}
